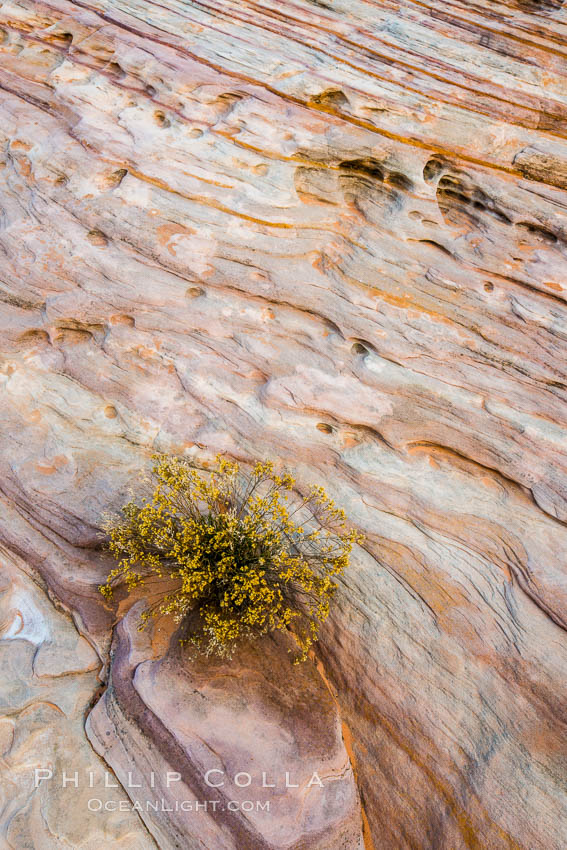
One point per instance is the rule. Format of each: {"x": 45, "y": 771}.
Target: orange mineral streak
{"x": 349, "y": 747}
{"x": 472, "y": 823}
{"x": 51, "y": 467}
{"x": 167, "y": 232}
{"x": 338, "y": 115}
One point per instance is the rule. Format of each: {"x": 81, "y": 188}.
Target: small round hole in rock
{"x": 122, "y": 319}
{"x": 432, "y": 170}
{"x": 324, "y": 428}
{"x": 161, "y": 119}
{"x": 489, "y": 287}
{"x": 61, "y": 38}
{"x": 194, "y": 292}
{"x": 97, "y": 237}
{"x": 116, "y": 70}
{"x": 359, "y": 348}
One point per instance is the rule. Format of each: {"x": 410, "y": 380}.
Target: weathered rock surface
{"x": 49, "y": 677}
{"x": 334, "y": 233}
{"x": 257, "y": 743}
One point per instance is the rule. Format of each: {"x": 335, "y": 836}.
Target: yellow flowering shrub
{"x": 244, "y": 550}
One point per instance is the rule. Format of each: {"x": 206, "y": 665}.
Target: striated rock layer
{"x": 260, "y": 750}
{"x": 334, "y": 233}
{"x": 49, "y": 772}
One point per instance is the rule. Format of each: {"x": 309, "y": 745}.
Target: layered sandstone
{"x": 333, "y": 233}
{"x": 257, "y": 745}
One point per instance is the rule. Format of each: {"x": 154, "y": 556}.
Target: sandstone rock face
{"x": 49, "y": 674}
{"x": 262, "y": 749}
{"x": 333, "y": 233}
